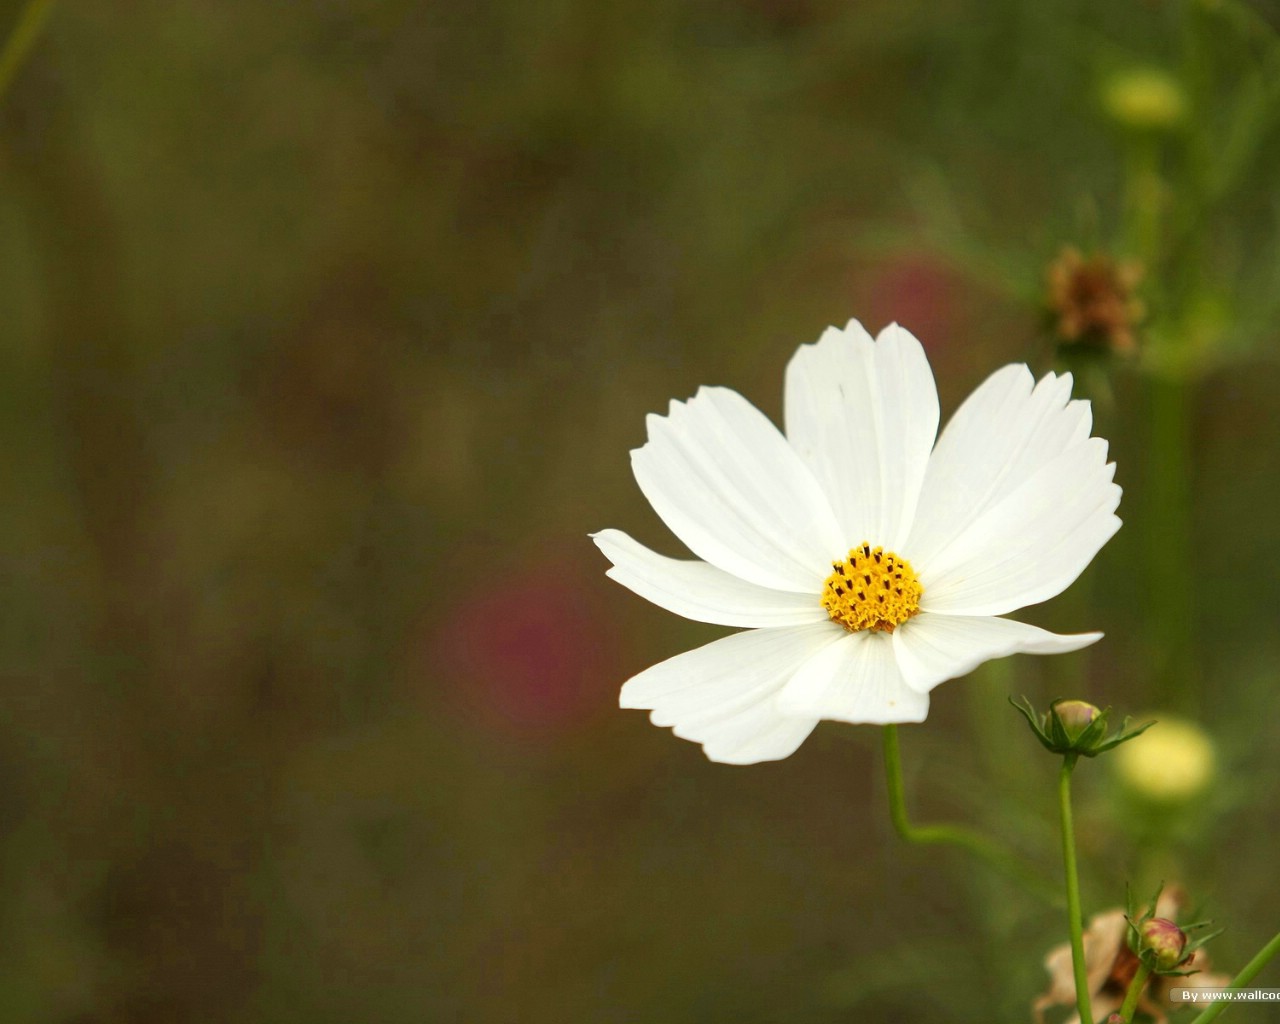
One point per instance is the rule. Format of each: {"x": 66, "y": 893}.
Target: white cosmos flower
{"x": 1006, "y": 510}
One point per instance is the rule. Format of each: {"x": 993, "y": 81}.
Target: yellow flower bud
{"x": 1172, "y": 763}
{"x": 1146, "y": 99}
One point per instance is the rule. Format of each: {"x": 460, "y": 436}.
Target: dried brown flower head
{"x": 1093, "y": 300}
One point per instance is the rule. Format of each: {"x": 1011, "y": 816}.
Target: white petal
{"x": 1000, "y": 436}
{"x": 756, "y": 734}
{"x": 934, "y": 648}
{"x": 1033, "y": 543}
{"x": 863, "y": 415}
{"x": 723, "y": 695}
{"x": 856, "y": 679}
{"x": 700, "y": 591}
{"x": 726, "y": 482}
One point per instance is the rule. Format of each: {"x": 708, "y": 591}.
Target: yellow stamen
{"x": 871, "y": 589}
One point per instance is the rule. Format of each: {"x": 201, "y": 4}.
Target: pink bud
{"x": 1166, "y": 940}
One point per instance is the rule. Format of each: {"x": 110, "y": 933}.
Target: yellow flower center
{"x": 871, "y": 589}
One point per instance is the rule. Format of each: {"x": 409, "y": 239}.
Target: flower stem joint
{"x": 1162, "y": 946}
{"x": 1075, "y": 727}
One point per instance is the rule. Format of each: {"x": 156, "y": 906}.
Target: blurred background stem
{"x": 1246, "y": 975}
{"x": 1172, "y": 550}
{"x": 1168, "y": 459}
{"x": 1144, "y": 190}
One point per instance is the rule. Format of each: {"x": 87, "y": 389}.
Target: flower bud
{"x": 1076, "y": 716}
{"x": 1164, "y": 940}
{"x": 1075, "y": 728}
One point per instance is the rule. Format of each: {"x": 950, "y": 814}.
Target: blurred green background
{"x": 328, "y": 327}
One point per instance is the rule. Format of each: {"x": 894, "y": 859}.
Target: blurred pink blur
{"x": 526, "y": 655}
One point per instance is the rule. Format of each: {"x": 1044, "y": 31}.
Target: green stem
{"x": 956, "y": 835}
{"x": 1246, "y": 975}
{"x": 24, "y": 34}
{"x": 1075, "y": 921}
{"x": 1142, "y": 202}
{"x": 1135, "y": 992}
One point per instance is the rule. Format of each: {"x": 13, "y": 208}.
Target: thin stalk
{"x": 1249, "y": 972}
{"x": 1132, "y": 996}
{"x": 20, "y": 40}
{"x": 1075, "y": 921}
{"x": 955, "y": 835}
{"x": 1142, "y": 200}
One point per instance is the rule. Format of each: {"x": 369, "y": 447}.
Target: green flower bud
{"x": 1075, "y": 727}
{"x": 1164, "y": 940}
